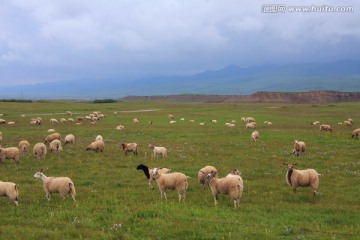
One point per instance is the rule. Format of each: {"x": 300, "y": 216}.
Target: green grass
{"x": 115, "y": 202}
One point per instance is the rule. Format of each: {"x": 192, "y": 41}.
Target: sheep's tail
{"x": 72, "y": 189}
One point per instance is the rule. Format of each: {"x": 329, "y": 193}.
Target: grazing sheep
{"x": 173, "y": 122}
{"x": 129, "y": 147}
{"x": 315, "y": 123}
{"x": 203, "y": 173}
{"x": 11, "y": 190}
{"x": 11, "y": 123}
{"x": 70, "y": 120}
{"x": 35, "y": 122}
{"x": 299, "y": 146}
{"x": 255, "y": 136}
{"x": 69, "y": 113}
{"x": 171, "y": 116}
{"x": 99, "y": 137}
{"x": 61, "y": 185}
{"x": 351, "y": 121}
{"x": 9, "y": 153}
{"x": 243, "y": 119}
{"x": 302, "y": 178}
{"x": 51, "y": 130}
{"x": 356, "y": 133}
{"x": 1, "y": 137}
{"x": 325, "y": 127}
{"x": 347, "y": 123}
{"x": 177, "y": 181}
{"x": 79, "y": 118}
{"x": 55, "y": 146}
{"x": 69, "y": 139}
{"x": 63, "y": 120}
{"x": 24, "y": 147}
{"x": 268, "y": 123}
{"x": 231, "y": 125}
{"x": 158, "y": 151}
{"x": 39, "y": 150}
{"x": 51, "y": 137}
{"x": 96, "y": 146}
{"x": 120, "y": 127}
{"x": 136, "y": 120}
{"x": 249, "y": 119}
{"x": 149, "y": 172}
{"x": 2, "y": 121}
{"x": 214, "y": 121}
{"x": 231, "y": 186}
{"x": 53, "y": 121}
{"x": 251, "y": 125}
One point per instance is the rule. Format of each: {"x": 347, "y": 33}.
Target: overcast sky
{"x": 42, "y": 40}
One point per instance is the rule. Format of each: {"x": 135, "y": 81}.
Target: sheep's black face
{"x": 209, "y": 176}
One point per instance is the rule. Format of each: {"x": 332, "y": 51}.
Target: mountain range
{"x": 343, "y": 76}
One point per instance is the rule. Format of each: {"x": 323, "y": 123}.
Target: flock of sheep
{"x": 231, "y": 185}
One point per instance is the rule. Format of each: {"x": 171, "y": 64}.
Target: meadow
{"x": 114, "y": 200}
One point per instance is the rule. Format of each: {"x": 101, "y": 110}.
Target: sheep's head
{"x": 123, "y": 145}
{"x": 39, "y": 174}
{"x": 235, "y": 172}
{"x": 290, "y": 166}
{"x": 155, "y": 173}
{"x": 211, "y": 175}
{"x": 150, "y": 146}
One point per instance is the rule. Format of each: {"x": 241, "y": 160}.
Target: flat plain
{"x": 114, "y": 200}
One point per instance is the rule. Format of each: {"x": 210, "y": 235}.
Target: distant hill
{"x": 343, "y": 76}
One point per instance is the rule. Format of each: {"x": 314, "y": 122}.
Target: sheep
{"x": 249, "y": 119}
{"x": 11, "y": 190}
{"x": 350, "y": 120}
{"x": 299, "y": 146}
{"x": 39, "y": 150}
{"x": 325, "y": 127}
{"x": 51, "y": 137}
{"x": 129, "y": 147}
{"x": 69, "y": 113}
{"x": 11, "y": 123}
{"x": 2, "y": 121}
{"x": 63, "y": 120}
{"x": 171, "y": 116}
{"x": 1, "y": 136}
{"x": 61, "y": 185}
{"x": 96, "y": 146}
{"x": 9, "y": 153}
{"x": 203, "y": 173}
{"x": 53, "y": 121}
{"x": 158, "y": 151}
{"x": 231, "y": 186}
{"x": 24, "y": 147}
{"x": 173, "y": 122}
{"x": 255, "y": 136}
{"x": 268, "y": 123}
{"x": 69, "y": 139}
{"x": 55, "y": 146}
{"x": 234, "y": 173}
{"x": 231, "y": 125}
{"x": 356, "y": 133}
{"x": 177, "y": 181}
{"x": 99, "y": 137}
{"x": 51, "y": 130}
{"x": 149, "y": 172}
{"x": 214, "y": 121}
{"x": 251, "y": 125}
{"x": 70, "y": 120}
{"x": 347, "y": 123}
{"x": 136, "y": 120}
{"x": 35, "y": 122}
{"x": 243, "y": 119}
{"x": 315, "y": 123}
{"x": 120, "y": 127}
{"x": 302, "y": 178}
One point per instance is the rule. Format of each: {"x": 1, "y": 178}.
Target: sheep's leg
{"x": 48, "y": 196}
{"x": 16, "y": 200}
{"x": 73, "y": 197}
{"x": 215, "y": 200}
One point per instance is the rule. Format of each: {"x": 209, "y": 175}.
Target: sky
{"x": 45, "y": 41}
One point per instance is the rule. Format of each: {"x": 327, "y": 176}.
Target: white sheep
{"x": 255, "y": 135}
{"x": 177, "y": 181}
{"x": 315, "y": 123}
{"x": 24, "y": 147}
{"x": 69, "y": 139}
{"x": 96, "y": 146}
{"x": 11, "y": 123}
{"x": 231, "y": 186}
{"x": 63, "y": 120}
{"x": 1, "y": 136}
{"x": 325, "y": 127}
{"x": 268, "y": 123}
{"x": 51, "y": 130}
{"x": 129, "y": 147}
{"x": 299, "y": 146}
{"x": 347, "y": 123}
{"x": 11, "y": 190}
{"x": 356, "y": 133}
{"x": 251, "y": 125}
{"x": 53, "y": 121}
{"x": 136, "y": 120}
{"x": 234, "y": 173}
{"x": 120, "y": 127}
{"x": 70, "y": 120}
{"x": 55, "y": 146}
{"x": 61, "y": 185}
{"x": 39, "y": 150}
{"x": 249, "y": 119}
{"x": 99, "y": 137}
{"x": 9, "y": 153}
{"x": 158, "y": 151}
{"x": 35, "y": 122}
{"x": 149, "y": 172}
{"x": 51, "y": 137}
{"x": 69, "y": 113}
{"x": 302, "y": 178}
{"x": 203, "y": 173}
{"x": 214, "y": 121}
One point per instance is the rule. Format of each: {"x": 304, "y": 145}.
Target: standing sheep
{"x": 204, "y": 172}
{"x": 255, "y": 136}
{"x": 325, "y": 127}
{"x": 9, "y": 153}
{"x": 231, "y": 186}
{"x": 302, "y": 178}
{"x": 53, "y": 121}
{"x": 39, "y": 150}
{"x": 24, "y": 147}
{"x": 11, "y": 190}
{"x": 61, "y": 185}
{"x": 250, "y": 125}
{"x": 149, "y": 172}
{"x": 356, "y": 133}
{"x": 158, "y": 151}
{"x": 129, "y": 147}
{"x": 55, "y": 146}
{"x": 99, "y": 137}
{"x": 69, "y": 139}
{"x": 299, "y": 146}
{"x": 52, "y": 137}
{"x": 96, "y": 146}
{"x": 177, "y": 181}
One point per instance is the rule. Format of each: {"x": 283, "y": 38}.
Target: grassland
{"x": 113, "y": 198}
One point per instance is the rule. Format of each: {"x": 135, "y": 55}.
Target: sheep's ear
{"x": 203, "y": 172}
{"x": 41, "y": 170}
